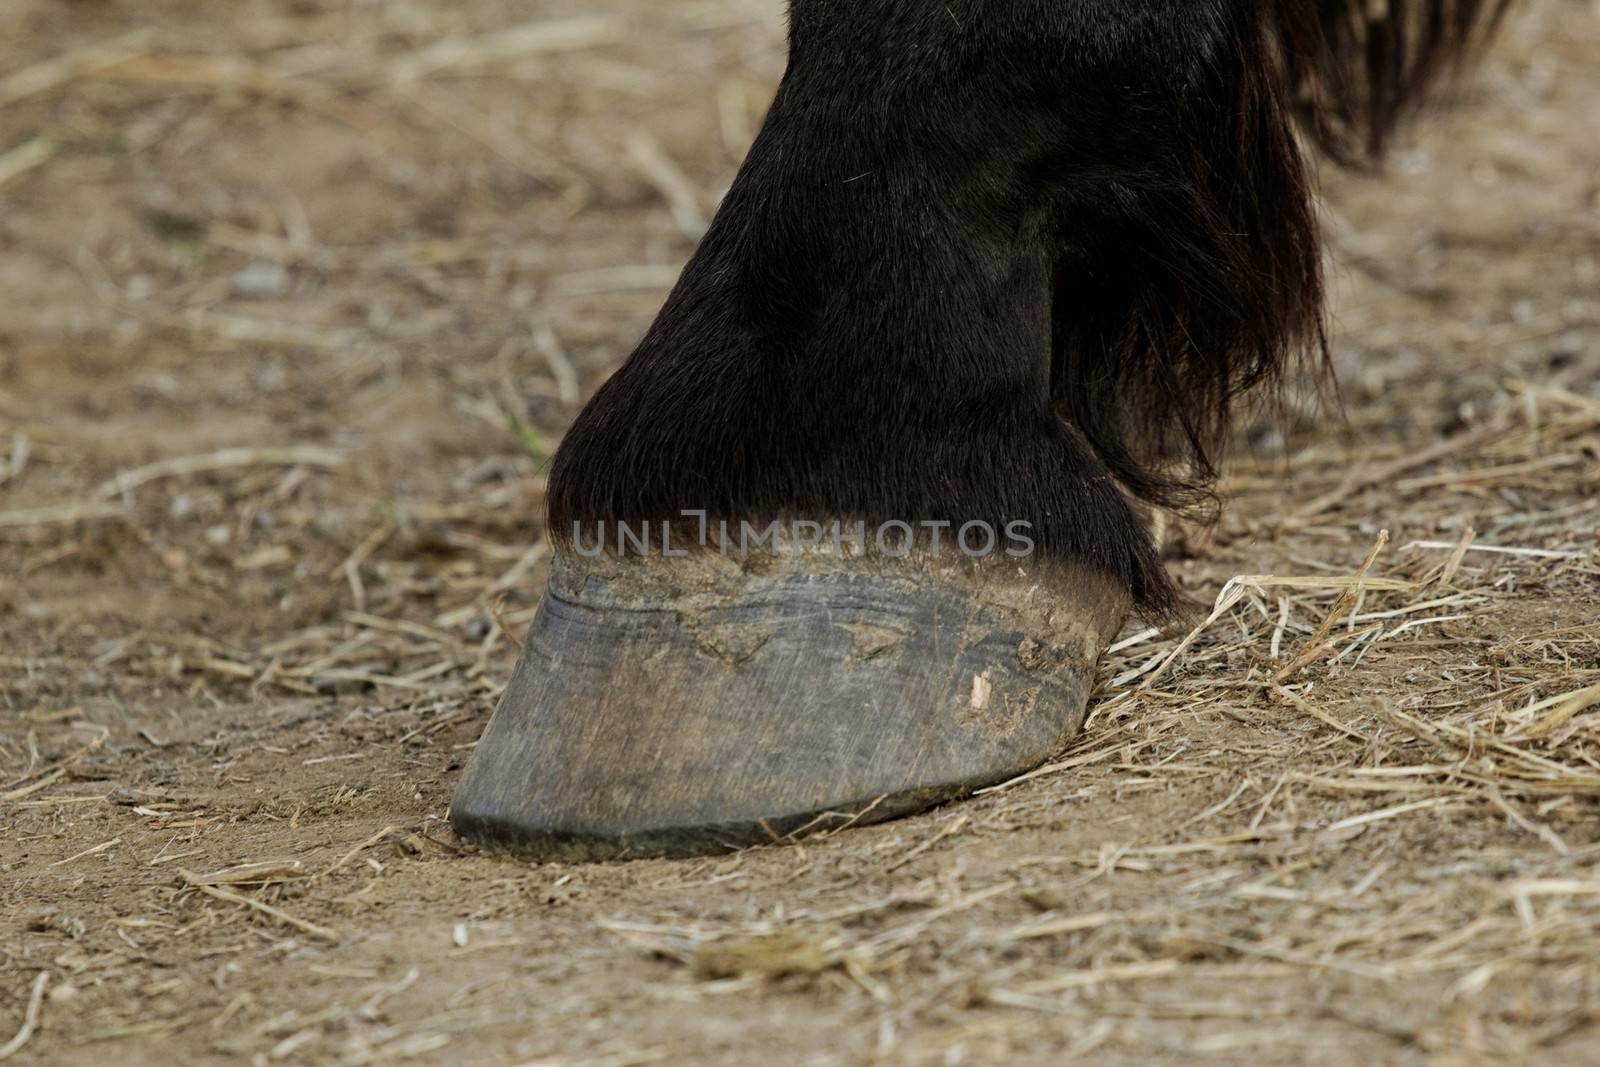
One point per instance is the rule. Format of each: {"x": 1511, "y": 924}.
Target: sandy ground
{"x": 296, "y": 301}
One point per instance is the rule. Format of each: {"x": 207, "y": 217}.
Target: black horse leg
{"x": 846, "y": 534}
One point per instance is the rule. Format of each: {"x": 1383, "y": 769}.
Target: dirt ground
{"x": 296, "y": 300}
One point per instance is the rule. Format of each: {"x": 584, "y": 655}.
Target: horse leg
{"x": 846, "y": 534}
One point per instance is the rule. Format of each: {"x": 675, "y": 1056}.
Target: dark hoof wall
{"x": 678, "y": 707}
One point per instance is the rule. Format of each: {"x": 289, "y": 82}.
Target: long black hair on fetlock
{"x": 1198, "y": 279}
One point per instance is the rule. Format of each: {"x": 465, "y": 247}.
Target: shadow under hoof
{"x": 673, "y": 707}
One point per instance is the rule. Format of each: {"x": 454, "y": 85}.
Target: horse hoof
{"x": 672, "y": 707}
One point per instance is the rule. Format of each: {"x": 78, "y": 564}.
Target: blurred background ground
{"x": 297, "y": 297}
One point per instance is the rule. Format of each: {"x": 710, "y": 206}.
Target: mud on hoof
{"x": 671, "y": 707}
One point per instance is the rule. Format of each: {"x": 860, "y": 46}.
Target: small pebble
{"x": 260, "y": 280}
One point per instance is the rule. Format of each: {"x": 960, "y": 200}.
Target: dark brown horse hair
{"x": 1006, "y": 260}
